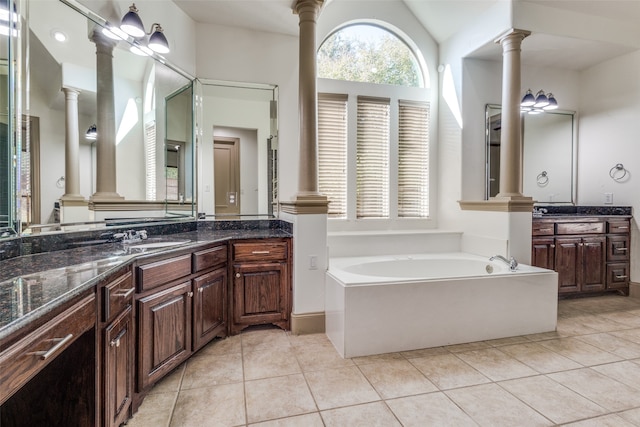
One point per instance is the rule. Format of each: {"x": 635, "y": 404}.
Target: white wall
{"x": 608, "y": 134}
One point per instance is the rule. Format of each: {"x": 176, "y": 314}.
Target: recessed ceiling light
{"x": 59, "y": 36}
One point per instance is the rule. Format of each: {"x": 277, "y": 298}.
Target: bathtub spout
{"x": 511, "y": 262}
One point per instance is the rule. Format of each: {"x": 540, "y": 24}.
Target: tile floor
{"x": 587, "y": 373}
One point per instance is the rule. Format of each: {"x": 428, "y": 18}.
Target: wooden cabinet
{"x": 589, "y": 254}
{"x": 261, "y": 284}
{"x": 117, "y": 350}
{"x": 181, "y": 307}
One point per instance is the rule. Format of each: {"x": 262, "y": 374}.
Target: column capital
{"x": 512, "y": 34}
{"x": 102, "y": 42}
{"x": 302, "y": 6}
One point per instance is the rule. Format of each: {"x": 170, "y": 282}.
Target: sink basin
{"x": 154, "y": 245}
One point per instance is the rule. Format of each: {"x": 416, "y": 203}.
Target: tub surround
{"x": 371, "y": 314}
{"x": 34, "y": 285}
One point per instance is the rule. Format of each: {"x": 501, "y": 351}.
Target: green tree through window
{"x": 366, "y": 53}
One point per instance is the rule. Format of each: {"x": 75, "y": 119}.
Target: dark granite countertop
{"x": 33, "y": 285}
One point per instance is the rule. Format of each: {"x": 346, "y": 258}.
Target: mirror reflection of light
{"x": 114, "y": 33}
{"x": 129, "y": 120}
{"x": 140, "y": 50}
{"x": 450, "y": 96}
{"x": 149, "y": 94}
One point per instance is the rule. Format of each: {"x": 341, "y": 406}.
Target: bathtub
{"x": 393, "y": 303}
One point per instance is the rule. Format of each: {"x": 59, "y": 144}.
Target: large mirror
{"x": 548, "y": 155}
{"x": 239, "y": 149}
{"x": 58, "y": 38}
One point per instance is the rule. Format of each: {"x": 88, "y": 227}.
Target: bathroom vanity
{"x": 114, "y": 326}
{"x": 590, "y": 252}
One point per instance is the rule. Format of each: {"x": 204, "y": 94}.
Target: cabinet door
{"x": 209, "y": 308}
{"x": 593, "y": 259}
{"x": 118, "y": 369}
{"x": 164, "y": 332}
{"x": 543, "y": 252}
{"x": 259, "y": 294}
{"x": 568, "y": 263}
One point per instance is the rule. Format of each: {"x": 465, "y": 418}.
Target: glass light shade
{"x": 552, "y": 105}
{"x": 535, "y": 111}
{"x": 92, "y": 133}
{"x": 541, "y": 100}
{"x": 132, "y": 24}
{"x": 528, "y": 100}
{"x": 158, "y": 42}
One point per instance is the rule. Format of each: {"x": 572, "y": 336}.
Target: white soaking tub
{"x": 392, "y": 303}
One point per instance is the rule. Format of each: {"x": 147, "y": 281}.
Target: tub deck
{"x": 382, "y": 317}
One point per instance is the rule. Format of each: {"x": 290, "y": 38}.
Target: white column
{"x": 511, "y": 134}
{"x": 105, "y": 121}
{"x": 72, "y": 141}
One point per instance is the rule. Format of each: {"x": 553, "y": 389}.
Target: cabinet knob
{"x": 201, "y": 290}
{"x": 238, "y": 275}
{"x": 190, "y": 294}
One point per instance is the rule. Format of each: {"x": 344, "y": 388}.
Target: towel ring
{"x": 542, "y": 179}
{"x": 614, "y": 172}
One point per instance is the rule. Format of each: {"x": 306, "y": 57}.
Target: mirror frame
{"x": 574, "y": 151}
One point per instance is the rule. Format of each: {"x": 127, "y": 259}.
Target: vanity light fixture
{"x": 132, "y": 25}
{"x": 92, "y": 133}
{"x": 539, "y": 103}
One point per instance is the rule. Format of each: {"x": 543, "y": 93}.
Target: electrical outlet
{"x": 313, "y": 262}
{"x": 608, "y": 198}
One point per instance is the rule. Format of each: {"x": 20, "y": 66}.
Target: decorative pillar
{"x": 105, "y": 121}
{"x": 72, "y": 141}
{"x": 511, "y": 133}
{"x": 307, "y": 199}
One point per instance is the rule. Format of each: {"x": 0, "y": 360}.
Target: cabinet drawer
{"x": 164, "y": 271}
{"x": 209, "y": 258}
{"x": 618, "y": 226}
{"x": 263, "y": 251}
{"x": 580, "y": 228}
{"x": 117, "y": 296}
{"x": 617, "y": 275}
{"x": 542, "y": 229}
{"x": 22, "y": 361}
{"x": 618, "y": 248}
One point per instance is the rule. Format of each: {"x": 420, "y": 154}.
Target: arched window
{"x": 373, "y": 126}
{"x": 369, "y": 54}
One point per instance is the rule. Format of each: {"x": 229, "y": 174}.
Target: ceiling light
{"x": 528, "y": 100}
{"x": 158, "y": 42}
{"x": 92, "y": 133}
{"x": 59, "y": 36}
{"x": 541, "y": 100}
{"x": 553, "y": 104}
{"x": 132, "y": 25}
{"x": 539, "y": 103}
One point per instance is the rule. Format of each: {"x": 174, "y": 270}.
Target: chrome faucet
{"x": 130, "y": 236}
{"x": 511, "y": 262}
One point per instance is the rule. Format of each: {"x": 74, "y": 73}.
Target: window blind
{"x": 332, "y": 151}
{"x": 372, "y": 199}
{"x": 150, "y": 159}
{"x": 413, "y": 159}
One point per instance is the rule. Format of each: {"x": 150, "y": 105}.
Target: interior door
{"x": 226, "y": 176}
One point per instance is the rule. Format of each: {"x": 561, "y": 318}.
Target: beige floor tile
{"x": 540, "y": 358}
{"x": 375, "y": 414}
{"x": 424, "y": 352}
{"x": 433, "y": 409}
{"x": 570, "y": 327}
{"x": 221, "y": 405}
{"x": 308, "y": 339}
{"x": 334, "y": 388}
{"x": 606, "y": 392}
{"x": 490, "y": 405}
{"x": 632, "y": 416}
{"x": 599, "y": 323}
{"x": 270, "y": 363}
{"x": 319, "y": 357}
{"x": 397, "y": 378}
{"x": 263, "y": 339}
{"x": 616, "y": 345}
{"x": 210, "y": 371}
{"x": 507, "y": 341}
{"x": 377, "y": 358}
{"x": 171, "y": 383}
{"x": 496, "y": 364}
{"x": 459, "y": 348}
{"x": 580, "y": 352}
{"x": 626, "y": 372}
{"x": 278, "y": 397}
{"x": 155, "y": 411}
{"x": 448, "y": 371}
{"x": 554, "y": 401}
{"x": 611, "y": 420}
{"x": 306, "y": 420}
{"x": 632, "y": 335}
{"x": 218, "y": 346}
{"x": 543, "y": 336}
{"x": 626, "y": 318}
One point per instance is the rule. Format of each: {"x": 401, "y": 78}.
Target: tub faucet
{"x": 511, "y": 262}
